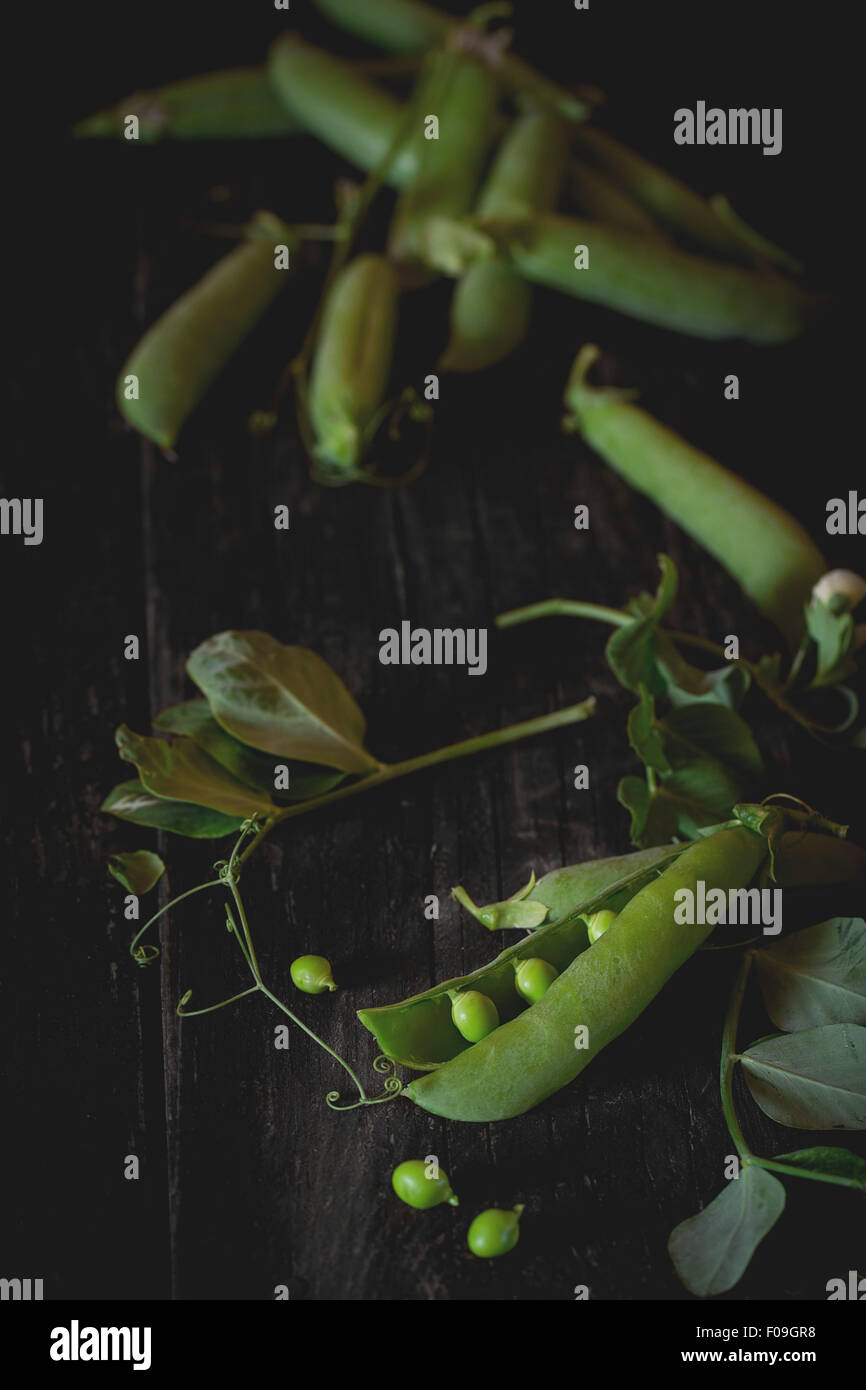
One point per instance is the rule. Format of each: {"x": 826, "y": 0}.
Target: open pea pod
{"x": 419, "y": 1032}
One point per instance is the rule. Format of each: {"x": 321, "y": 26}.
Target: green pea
{"x": 494, "y": 1232}
{"x": 599, "y": 922}
{"x": 413, "y": 1185}
{"x": 474, "y": 1014}
{"x": 533, "y": 978}
{"x": 312, "y": 974}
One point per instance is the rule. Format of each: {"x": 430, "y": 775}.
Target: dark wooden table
{"x": 248, "y": 1181}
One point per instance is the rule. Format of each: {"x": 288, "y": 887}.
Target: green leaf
{"x": 831, "y": 1162}
{"x": 132, "y": 801}
{"x": 138, "y": 870}
{"x": 631, "y": 649}
{"x": 831, "y": 632}
{"x": 816, "y": 976}
{"x": 711, "y": 1251}
{"x": 701, "y": 759}
{"x": 285, "y": 700}
{"x": 181, "y": 771}
{"x": 512, "y": 912}
{"x": 256, "y": 769}
{"x": 687, "y": 684}
{"x": 814, "y": 1079}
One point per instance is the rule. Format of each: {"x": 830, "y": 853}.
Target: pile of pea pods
{"x": 499, "y": 176}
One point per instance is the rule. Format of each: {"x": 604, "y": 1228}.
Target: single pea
{"x": 494, "y": 1232}
{"x": 533, "y": 978}
{"x": 474, "y": 1014}
{"x": 599, "y": 922}
{"x": 411, "y": 1183}
{"x": 312, "y": 974}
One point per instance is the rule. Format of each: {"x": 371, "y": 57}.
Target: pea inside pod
{"x": 181, "y": 355}
{"x": 599, "y": 994}
{"x": 420, "y": 1032}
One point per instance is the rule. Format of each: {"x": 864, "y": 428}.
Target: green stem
{"x": 390, "y": 772}
{"x": 728, "y": 1059}
{"x": 793, "y": 1172}
{"x": 563, "y": 608}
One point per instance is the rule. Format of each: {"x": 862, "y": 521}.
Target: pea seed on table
{"x": 312, "y": 974}
{"x": 494, "y": 1232}
{"x": 414, "y": 1186}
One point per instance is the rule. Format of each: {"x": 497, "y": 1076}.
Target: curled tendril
{"x": 145, "y": 955}
{"x": 393, "y": 1086}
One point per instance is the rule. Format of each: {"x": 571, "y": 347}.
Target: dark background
{"x": 248, "y": 1180}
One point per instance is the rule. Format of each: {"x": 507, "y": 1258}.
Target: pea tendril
{"x": 229, "y": 873}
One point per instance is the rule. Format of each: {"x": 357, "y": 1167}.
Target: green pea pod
{"x": 563, "y": 891}
{"x": 400, "y": 26}
{"x": 179, "y": 357}
{"x": 239, "y": 103}
{"x": 603, "y": 200}
{"x": 656, "y": 283}
{"x": 348, "y": 113}
{"x": 408, "y": 26}
{"x": 420, "y": 1032}
{"x": 672, "y": 203}
{"x": 492, "y": 303}
{"x": 760, "y": 544}
{"x": 603, "y": 990}
{"x": 462, "y": 95}
{"x": 352, "y": 363}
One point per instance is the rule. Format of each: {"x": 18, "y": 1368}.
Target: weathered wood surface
{"x": 248, "y": 1180}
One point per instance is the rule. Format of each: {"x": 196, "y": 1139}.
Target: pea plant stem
{"x": 390, "y": 772}
{"x": 728, "y": 1059}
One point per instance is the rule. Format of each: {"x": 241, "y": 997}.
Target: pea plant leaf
{"x": 831, "y": 1162}
{"x": 816, "y": 976}
{"x": 830, "y": 629}
{"x": 711, "y": 1251}
{"x": 280, "y": 699}
{"x": 512, "y": 912}
{"x": 814, "y": 1079}
{"x": 256, "y": 769}
{"x": 631, "y": 650}
{"x": 701, "y": 759}
{"x": 137, "y": 870}
{"x": 687, "y": 684}
{"x": 131, "y": 801}
{"x": 181, "y": 771}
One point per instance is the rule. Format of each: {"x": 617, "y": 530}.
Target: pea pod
{"x": 352, "y": 363}
{"x": 760, "y": 544}
{"x": 462, "y": 95}
{"x": 239, "y": 103}
{"x": 672, "y": 203}
{"x": 656, "y": 283}
{"x": 492, "y": 303}
{"x": 603, "y": 200}
{"x": 420, "y": 1032}
{"x": 603, "y": 989}
{"x": 333, "y": 101}
{"x": 181, "y": 355}
{"x": 408, "y": 26}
